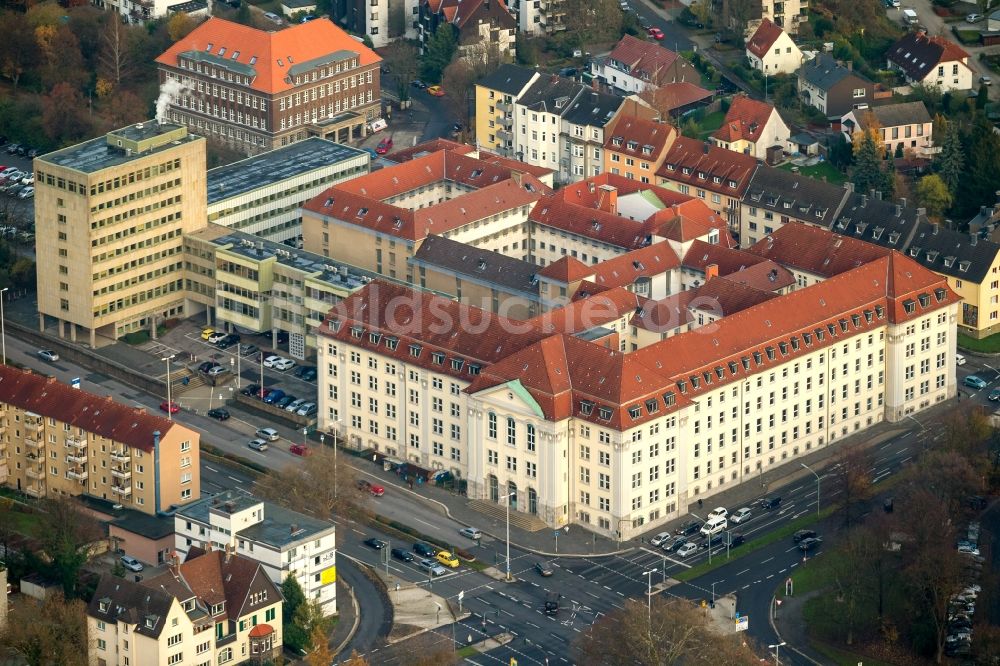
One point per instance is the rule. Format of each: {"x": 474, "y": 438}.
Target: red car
{"x": 655, "y": 33}
{"x": 170, "y": 407}
{"x": 299, "y": 450}
{"x": 384, "y": 146}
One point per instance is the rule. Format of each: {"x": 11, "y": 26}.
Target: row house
{"x": 776, "y": 197}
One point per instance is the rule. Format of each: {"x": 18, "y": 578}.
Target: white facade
{"x": 536, "y": 136}
{"x": 948, "y": 76}
{"x": 118, "y": 643}
{"x": 783, "y": 57}
{"x": 311, "y": 557}
{"x": 774, "y": 133}
{"x": 377, "y": 21}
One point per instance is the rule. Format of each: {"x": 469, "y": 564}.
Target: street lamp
{"x": 507, "y": 497}
{"x": 237, "y": 362}
{"x": 167, "y": 359}
{"x": 649, "y": 598}
{"x": 3, "y": 333}
{"x": 817, "y": 485}
{"x": 775, "y": 648}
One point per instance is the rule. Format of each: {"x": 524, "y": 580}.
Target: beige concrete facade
{"x": 110, "y": 214}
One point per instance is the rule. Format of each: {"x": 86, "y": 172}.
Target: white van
{"x": 909, "y": 17}
{"x": 714, "y": 526}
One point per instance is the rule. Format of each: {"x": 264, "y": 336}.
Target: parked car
{"x": 687, "y": 549}
{"x": 247, "y": 350}
{"x": 285, "y": 401}
{"x": 655, "y": 33}
{"x": 809, "y": 543}
{"x": 305, "y": 372}
{"x": 206, "y": 366}
{"x": 215, "y": 371}
{"x": 384, "y": 146}
{"x": 269, "y": 361}
{"x": 690, "y": 527}
{"x": 714, "y": 540}
{"x": 257, "y": 444}
{"x": 740, "y": 515}
{"x": 803, "y": 534}
{"x": 170, "y": 407}
{"x": 366, "y": 485}
{"x": 432, "y": 567}
{"x": 448, "y": 559}
{"x": 47, "y": 355}
{"x": 270, "y": 434}
{"x": 736, "y": 540}
{"x": 402, "y": 555}
{"x": 973, "y": 18}
{"x": 307, "y": 409}
{"x": 228, "y": 341}
{"x": 294, "y": 405}
{"x": 377, "y": 544}
{"x": 676, "y": 545}
{"x": 959, "y": 359}
{"x": 471, "y": 533}
{"x": 543, "y": 569}
{"x": 283, "y": 364}
{"x": 215, "y": 336}
{"x": 718, "y": 512}
{"x": 206, "y": 332}
{"x": 772, "y": 502}
{"x": 986, "y": 80}
{"x": 436, "y": 91}
{"x": 417, "y": 83}
{"x": 975, "y": 382}
{"x": 423, "y": 549}
{"x": 218, "y": 413}
{"x": 274, "y": 396}
{"x": 660, "y": 539}
{"x": 130, "y": 563}
{"x": 251, "y": 390}
{"x": 26, "y": 193}
{"x": 299, "y": 450}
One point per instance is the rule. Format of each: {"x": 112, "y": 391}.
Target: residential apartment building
{"x": 786, "y": 14}
{"x": 752, "y": 127}
{"x": 485, "y": 30}
{"x": 283, "y": 542}
{"x": 636, "y": 147}
{"x": 495, "y": 96}
{"x": 716, "y": 175}
{"x": 771, "y": 51}
{"x": 377, "y": 222}
{"x": 130, "y": 194}
{"x": 256, "y": 90}
{"x": 538, "y": 17}
{"x": 137, "y": 11}
{"x": 538, "y": 120}
{"x": 931, "y": 61}
{"x": 636, "y": 65}
{"x": 832, "y": 87}
{"x": 213, "y": 608}
{"x": 622, "y": 442}
{"x": 383, "y": 21}
{"x": 906, "y": 126}
{"x": 59, "y": 440}
{"x": 263, "y": 195}
{"x": 583, "y": 131}
{"x": 776, "y": 197}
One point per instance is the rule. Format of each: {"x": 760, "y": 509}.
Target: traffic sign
{"x": 743, "y": 623}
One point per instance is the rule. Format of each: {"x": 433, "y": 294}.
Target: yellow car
{"x": 437, "y": 91}
{"x": 207, "y": 333}
{"x": 447, "y": 559}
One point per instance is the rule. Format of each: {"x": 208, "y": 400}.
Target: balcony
{"x": 504, "y": 135}
{"x": 120, "y": 457}
{"x": 3, "y": 472}
{"x": 35, "y": 472}
{"x": 505, "y": 107}
{"x": 33, "y": 442}
{"x": 122, "y": 491}
{"x": 507, "y": 121}
{"x": 37, "y": 492}
{"x": 79, "y": 475}
{"x": 123, "y": 474}
{"x": 76, "y": 442}
{"x": 77, "y": 458}
{"x": 34, "y": 425}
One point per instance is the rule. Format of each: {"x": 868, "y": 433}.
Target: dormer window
{"x": 807, "y": 338}
{"x": 374, "y": 338}
{"x": 686, "y": 171}
{"x": 880, "y": 311}
{"x": 783, "y": 348}
{"x": 795, "y": 344}
{"x": 949, "y": 262}
{"x": 635, "y": 412}
{"x": 652, "y": 406}
{"x": 415, "y": 351}
{"x": 669, "y": 399}
{"x": 925, "y": 300}
{"x": 869, "y": 316}
{"x": 104, "y": 604}
{"x": 770, "y": 353}
{"x": 939, "y": 294}
{"x": 964, "y": 266}
{"x": 909, "y": 305}
{"x": 843, "y": 325}
{"x": 701, "y": 175}
{"x": 356, "y": 331}
{"x": 746, "y": 363}
{"x": 632, "y": 145}
{"x": 392, "y": 343}
{"x": 438, "y": 358}
{"x": 856, "y": 320}
{"x": 671, "y": 167}
{"x": 617, "y": 140}
{"x": 586, "y": 408}
{"x": 832, "y": 328}
{"x": 682, "y": 386}
{"x": 758, "y": 358}
{"x": 604, "y": 413}
{"x": 720, "y": 372}
{"x": 695, "y": 383}
{"x": 733, "y": 367}
{"x": 457, "y": 363}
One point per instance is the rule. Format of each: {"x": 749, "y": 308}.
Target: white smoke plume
{"x": 169, "y": 91}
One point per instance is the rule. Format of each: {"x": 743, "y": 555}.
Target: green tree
{"x": 983, "y": 97}
{"x": 438, "y": 52}
{"x": 67, "y": 533}
{"x": 869, "y": 172}
{"x": 932, "y": 193}
{"x": 978, "y": 182}
{"x": 950, "y": 161}
{"x": 295, "y": 598}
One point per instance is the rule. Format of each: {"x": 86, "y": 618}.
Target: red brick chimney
{"x": 711, "y": 271}
{"x": 607, "y": 199}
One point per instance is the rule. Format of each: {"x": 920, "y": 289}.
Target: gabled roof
{"x": 567, "y": 269}
{"x": 824, "y": 72}
{"x": 962, "y": 256}
{"x": 638, "y": 137}
{"x": 587, "y": 310}
{"x": 723, "y": 297}
{"x": 766, "y": 276}
{"x": 868, "y": 217}
{"x": 48, "y": 397}
{"x": 676, "y": 95}
{"x": 794, "y": 195}
{"x": 745, "y": 120}
{"x": 894, "y": 115}
{"x": 764, "y": 37}
{"x": 268, "y": 58}
{"x": 625, "y": 269}
{"x": 507, "y": 79}
{"x": 121, "y": 600}
{"x": 728, "y": 260}
{"x": 477, "y": 264}
{"x": 644, "y": 59}
{"x": 593, "y": 108}
{"x": 667, "y": 313}
{"x": 733, "y": 170}
{"x": 816, "y": 250}
{"x": 551, "y": 94}
{"x": 917, "y": 54}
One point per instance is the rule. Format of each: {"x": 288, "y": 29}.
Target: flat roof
{"x": 99, "y": 153}
{"x": 276, "y": 528}
{"x": 274, "y": 166}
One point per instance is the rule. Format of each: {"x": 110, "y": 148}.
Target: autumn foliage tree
{"x": 46, "y": 633}
{"x": 317, "y": 486}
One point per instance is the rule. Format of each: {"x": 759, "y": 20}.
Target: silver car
{"x": 257, "y": 445}
{"x": 432, "y": 567}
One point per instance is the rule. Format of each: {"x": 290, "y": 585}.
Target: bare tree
{"x": 66, "y": 534}
{"x": 49, "y": 632}
{"x": 402, "y": 60}
{"x": 114, "y": 60}
{"x": 852, "y": 479}
{"x": 593, "y": 20}
{"x": 319, "y": 486}
{"x": 677, "y": 632}
{"x": 459, "y": 79}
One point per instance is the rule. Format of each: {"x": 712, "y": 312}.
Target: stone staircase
{"x": 524, "y": 521}
{"x": 178, "y": 386}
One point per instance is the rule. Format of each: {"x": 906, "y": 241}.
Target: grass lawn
{"x": 710, "y": 123}
{"x": 23, "y": 523}
{"x": 820, "y": 170}
{"x": 990, "y": 345}
{"x": 967, "y": 36}
{"x": 467, "y": 652}
{"x": 842, "y": 658}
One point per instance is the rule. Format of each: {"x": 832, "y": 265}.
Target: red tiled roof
{"x": 767, "y": 275}
{"x": 690, "y": 220}
{"x": 630, "y": 135}
{"x": 816, "y": 250}
{"x": 359, "y": 201}
{"x": 745, "y": 120}
{"x": 729, "y": 260}
{"x": 724, "y": 297}
{"x": 101, "y": 416}
{"x": 764, "y": 37}
{"x": 642, "y": 56}
{"x": 273, "y": 52}
{"x": 665, "y": 314}
{"x": 588, "y": 310}
{"x": 514, "y": 165}
{"x": 432, "y": 146}
{"x": 567, "y": 269}
{"x": 702, "y": 157}
{"x": 625, "y": 269}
